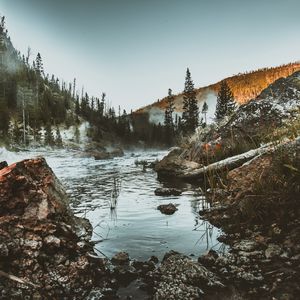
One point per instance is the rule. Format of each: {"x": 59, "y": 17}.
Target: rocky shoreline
{"x": 249, "y": 169}
{"x": 257, "y": 207}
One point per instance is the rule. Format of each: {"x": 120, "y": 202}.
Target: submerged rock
{"x": 167, "y": 209}
{"x": 167, "y": 192}
{"x": 99, "y": 155}
{"x": 118, "y": 152}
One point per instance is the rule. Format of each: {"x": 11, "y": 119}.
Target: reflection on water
{"x": 135, "y": 225}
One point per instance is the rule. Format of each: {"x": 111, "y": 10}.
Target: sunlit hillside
{"x": 245, "y": 86}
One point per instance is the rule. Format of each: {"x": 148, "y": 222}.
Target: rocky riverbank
{"x": 260, "y": 215}
{"x": 250, "y": 163}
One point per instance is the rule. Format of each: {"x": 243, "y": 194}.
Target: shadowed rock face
{"x": 3, "y": 164}
{"x": 30, "y": 189}
{"x": 41, "y": 241}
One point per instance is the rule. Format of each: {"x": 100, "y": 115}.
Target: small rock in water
{"x": 154, "y": 259}
{"x": 167, "y": 209}
{"x": 167, "y": 192}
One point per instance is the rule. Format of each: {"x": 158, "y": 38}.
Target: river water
{"x": 135, "y": 225}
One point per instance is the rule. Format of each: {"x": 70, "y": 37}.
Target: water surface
{"x": 135, "y": 225}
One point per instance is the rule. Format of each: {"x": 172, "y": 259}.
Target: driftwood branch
{"x": 18, "y": 279}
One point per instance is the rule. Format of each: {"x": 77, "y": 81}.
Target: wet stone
{"x": 52, "y": 241}
{"x": 245, "y": 245}
{"x": 273, "y": 250}
{"x": 167, "y": 209}
{"x": 120, "y": 258}
{"x": 167, "y": 192}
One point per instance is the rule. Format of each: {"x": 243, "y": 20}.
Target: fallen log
{"x": 232, "y": 162}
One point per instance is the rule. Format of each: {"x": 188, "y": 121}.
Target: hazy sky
{"x": 135, "y": 50}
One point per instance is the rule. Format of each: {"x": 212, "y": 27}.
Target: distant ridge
{"x": 245, "y": 86}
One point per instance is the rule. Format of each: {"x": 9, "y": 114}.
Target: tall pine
{"x": 190, "y": 115}
{"x": 169, "y": 124}
{"x": 225, "y": 102}
{"x": 204, "y": 112}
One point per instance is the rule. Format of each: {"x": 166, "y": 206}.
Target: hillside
{"x": 36, "y": 106}
{"x": 244, "y": 86}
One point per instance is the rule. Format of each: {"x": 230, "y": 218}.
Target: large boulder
{"x": 42, "y": 244}
{"x": 31, "y": 190}
{"x": 173, "y": 165}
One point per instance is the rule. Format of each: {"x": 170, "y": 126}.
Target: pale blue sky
{"x": 135, "y": 50}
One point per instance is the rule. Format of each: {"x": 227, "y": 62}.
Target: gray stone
{"x": 245, "y": 245}
{"x": 273, "y": 250}
{"x": 167, "y": 209}
{"x": 52, "y": 241}
{"x": 167, "y": 192}
{"x": 120, "y": 258}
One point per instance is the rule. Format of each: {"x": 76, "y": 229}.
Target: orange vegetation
{"x": 245, "y": 86}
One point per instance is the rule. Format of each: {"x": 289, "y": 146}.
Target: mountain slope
{"x": 245, "y": 86}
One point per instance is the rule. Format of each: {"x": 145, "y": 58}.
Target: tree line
{"x": 190, "y": 119}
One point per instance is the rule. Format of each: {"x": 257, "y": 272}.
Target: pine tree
{"x": 190, "y": 115}
{"x": 4, "y": 118}
{"x": 39, "y": 65}
{"x": 169, "y": 124}
{"x": 77, "y": 135}
{"x": 16, "y": 133}
{"x": 37, "y": 133}
{"x": 77, "y": 106}
{"x": 204, "y": 112}
{"x": 225, "y": 102}
{"x": 49, "y": 138}
{"x": 58, "y": 138}
{"x": 102, "y": 105}
{"x": 74, "y": 88}
{"x": 169, "y": 110}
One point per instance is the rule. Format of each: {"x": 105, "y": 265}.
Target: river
{"x": 135, "y": 225}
